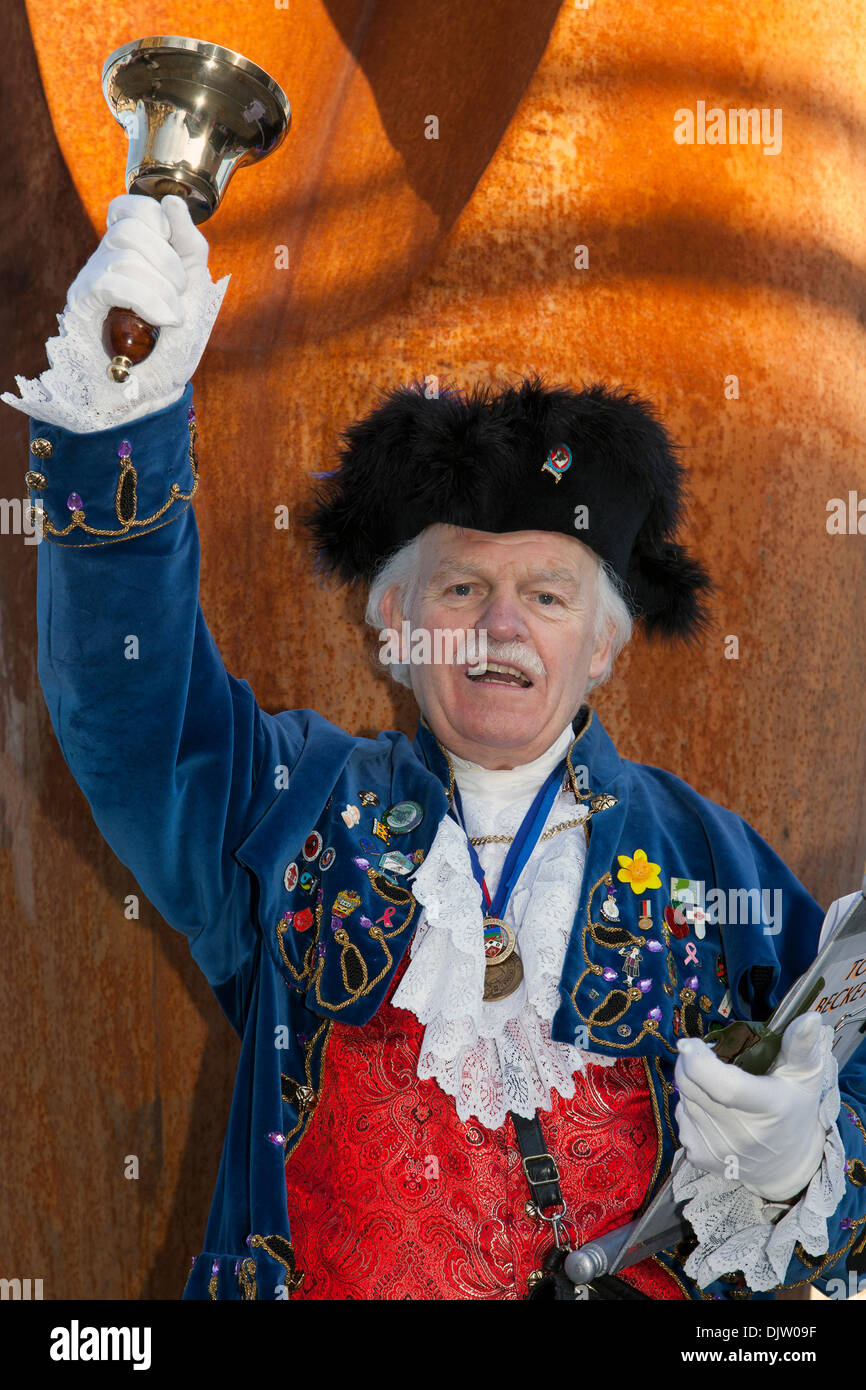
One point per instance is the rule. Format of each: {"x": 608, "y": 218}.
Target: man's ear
{"x": 601, "y": 653}
{"x": 392, "y": 613}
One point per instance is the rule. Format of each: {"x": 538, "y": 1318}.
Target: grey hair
{"x": 402, "y": 572}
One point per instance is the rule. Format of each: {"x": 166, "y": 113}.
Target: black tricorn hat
{"x": 594, "y": 464}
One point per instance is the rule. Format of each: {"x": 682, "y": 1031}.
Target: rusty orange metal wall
{"x": 443, "y": 257}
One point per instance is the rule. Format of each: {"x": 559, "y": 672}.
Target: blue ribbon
{"x": 523, "y": 844}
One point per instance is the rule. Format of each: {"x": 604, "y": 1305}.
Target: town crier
{"x": 472, "y": 972}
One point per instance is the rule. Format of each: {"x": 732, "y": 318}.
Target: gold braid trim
{"x": 831, "y": 1258}
{"x": 176, "y": 494}
{"x": 857, "y": 1172}
{"x": 444, "y": 751}
{"x": 667, "y": 1091}
{"x": 649, "y": 1027}
{"x": 578, "y": 795}
{"x": 132, "y": 535}
{"x": 281, "y": 928}
{"x": 855, "y": 1167}
{"x": 305, "y": 1113}
{"x": 307, "y": 1117}
{"x": 396, "y": 896}
{"x": 247, "y": 1278}
{"x": 280, "y": 1250}
{"x": 342, "y": 937}
{"x": 657, "y": 1119}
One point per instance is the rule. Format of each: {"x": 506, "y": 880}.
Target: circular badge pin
{"x": 558, "y": 461}
{"x": 327, "y": 859}
{"x": 499, "y": 940}
{"x": 312, "y": 845}
{"x": 404, "y": 816}
{"x": 290, "y": 877}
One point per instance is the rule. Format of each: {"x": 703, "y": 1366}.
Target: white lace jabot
{"x": 496, "y": 1057}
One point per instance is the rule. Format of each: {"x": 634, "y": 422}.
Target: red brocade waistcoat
{"x": 390, "y": 1195}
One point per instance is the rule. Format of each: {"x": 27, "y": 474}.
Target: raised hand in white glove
{"x": 141, "y": 262}
{"x": 153, "y": 260}
{"x": 763, "y": 1131}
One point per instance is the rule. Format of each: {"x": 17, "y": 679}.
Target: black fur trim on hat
{"x": 669, "y": 587}
{"x": 476, "y": 458}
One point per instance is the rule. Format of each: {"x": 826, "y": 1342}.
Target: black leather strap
{"x": 542, "y": 1175}
{"x": 539, "y": 1167}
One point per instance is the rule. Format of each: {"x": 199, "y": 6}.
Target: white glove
{"x": 152, "y": 259}
{"x": 141, "y": 262}
{"x": 762, "y": 1131}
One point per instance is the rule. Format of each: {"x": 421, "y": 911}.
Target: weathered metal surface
{"x": 451, "y": 258}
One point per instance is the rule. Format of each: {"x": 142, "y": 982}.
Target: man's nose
{"x": 503, "y": 619}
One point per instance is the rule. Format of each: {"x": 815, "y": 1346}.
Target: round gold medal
{"x": 502, "y": 979}
{"x": 503, "y": 969}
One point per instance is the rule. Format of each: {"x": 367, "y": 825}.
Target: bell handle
{"x": 128, "y": 339}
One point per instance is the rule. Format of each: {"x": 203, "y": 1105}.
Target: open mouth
{"x": 496, "y": 673}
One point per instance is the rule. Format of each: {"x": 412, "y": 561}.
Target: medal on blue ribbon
{"x": 503, "y": 969}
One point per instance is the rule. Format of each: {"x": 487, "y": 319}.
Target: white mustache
{"x": 516, "y": 654}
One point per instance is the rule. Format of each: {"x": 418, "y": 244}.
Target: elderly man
{"x": 447, "y": 958}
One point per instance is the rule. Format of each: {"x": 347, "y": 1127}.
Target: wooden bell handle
{"x": 128, "y": 340}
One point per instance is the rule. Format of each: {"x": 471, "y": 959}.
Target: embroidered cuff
{"x": 739, "y": 1231}
{"x": 94, "y": 489}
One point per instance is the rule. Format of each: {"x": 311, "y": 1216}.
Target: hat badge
{"x": 558, "y": 461}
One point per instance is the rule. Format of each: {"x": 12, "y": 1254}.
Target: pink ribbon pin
{"x": 691, "y": 953}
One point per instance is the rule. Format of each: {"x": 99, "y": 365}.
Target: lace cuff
{"x": 738, "y": 1230}
{"x": 76, "y": 393}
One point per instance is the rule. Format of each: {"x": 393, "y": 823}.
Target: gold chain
{"x": 508, "y": 839}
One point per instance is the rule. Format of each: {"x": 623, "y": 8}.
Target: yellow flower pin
{"x": 638, "y": 871}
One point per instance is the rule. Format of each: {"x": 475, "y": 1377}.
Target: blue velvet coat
{"x": 210, "y": 801}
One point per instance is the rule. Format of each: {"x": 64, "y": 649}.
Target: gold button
{"x": 42, "y": 448}
{"x": 34, "y": 479}
{"x": 534, "y": 1277}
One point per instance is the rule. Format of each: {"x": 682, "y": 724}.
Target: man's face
{"x": 532, "y": 590}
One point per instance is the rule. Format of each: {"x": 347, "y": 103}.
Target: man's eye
{"x": 465, "y": 587}
{"x": 552, "y": 597}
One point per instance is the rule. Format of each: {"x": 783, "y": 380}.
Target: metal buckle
{"x": 541, "y": 1182}
{"x": 557, "y": 1220}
